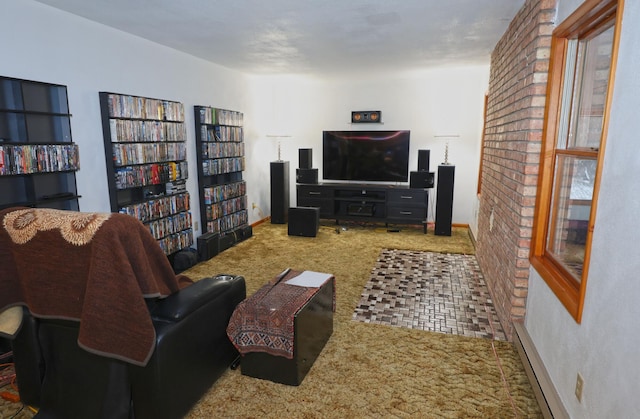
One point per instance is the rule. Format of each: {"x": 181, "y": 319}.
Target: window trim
{"x": 589, "y": 17}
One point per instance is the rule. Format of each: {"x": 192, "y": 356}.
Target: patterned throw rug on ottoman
{"x": 438, "y": 292}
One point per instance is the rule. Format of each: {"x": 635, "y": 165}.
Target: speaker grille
{"x": 305, "y": 158}
{"x": 423, "y": 160}
{"x": 366, "y": 116}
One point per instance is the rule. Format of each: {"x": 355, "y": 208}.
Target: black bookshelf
{"x": 223, "y": 201}
{"x": 145, "y": 150}
{"x": 38, "y": 158}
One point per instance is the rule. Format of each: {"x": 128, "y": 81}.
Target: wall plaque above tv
{"x": 366, "y": 155}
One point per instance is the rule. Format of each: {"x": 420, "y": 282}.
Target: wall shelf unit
{"x": 223, "y": 200}
{"x": 38, "y": 159}
{"x": 145, "y": 148}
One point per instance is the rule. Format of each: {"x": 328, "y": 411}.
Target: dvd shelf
{"x": 38, "y": 159}
{"x": 221, "y": 161}
{"x": 145, "y": 148}
{"x": 28, "y": 159}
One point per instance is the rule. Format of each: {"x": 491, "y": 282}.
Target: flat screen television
{"x": 365, "y": 155}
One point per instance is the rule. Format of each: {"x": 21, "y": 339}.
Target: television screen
{"x": 365, "y": 155}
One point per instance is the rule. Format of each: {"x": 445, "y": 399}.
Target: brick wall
{"x": 513, "y": 133}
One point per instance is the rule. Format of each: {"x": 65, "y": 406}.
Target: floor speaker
{"x": 303, "y": 221}
{"x": 308, "y": 176}
{"x": 305, "y": 158}
{"x": 444, "y": 200}
{"x": 423, "y": 160}
{"x": 208, "y": 246}
{"x": 279, "y": 192}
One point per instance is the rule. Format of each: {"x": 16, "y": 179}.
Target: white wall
{"x": 432, "y": 102}
{"x": 605, "y": 347}
{"x": 44, "y": 44}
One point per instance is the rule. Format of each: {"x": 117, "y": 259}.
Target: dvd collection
{"x": 220, "y": 116}
{"x": 220, "y": 193}
{"x": 221, "y": 209}
{"x": 218, "y": 166}
{"x": 175, "y": 242}
{"x": 221, "y": 133}
{"x": 158, "y": 207}
{"x": 126, "y": 106}
{"x": 150, "y": 174}
{"x": 218, "y": 150}
{"x": 179, "y": 186}
{"x": 170, "y": 225}
{"x": 130, "y": 131}
{"x": 126, "y": 154}
{"x": 35, "y": 158}
{"x": 228, "y": 222}
{"x": 148, "y": 145}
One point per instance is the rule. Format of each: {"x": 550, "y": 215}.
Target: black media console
{"x": 364, "y": 202}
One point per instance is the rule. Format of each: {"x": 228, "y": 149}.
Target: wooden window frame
{"x": 591, "y": 16}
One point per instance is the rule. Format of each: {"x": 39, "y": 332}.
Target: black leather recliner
{"x": 192, "y": 350}
{"x": 105, "y": 328}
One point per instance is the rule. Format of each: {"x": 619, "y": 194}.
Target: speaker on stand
{"x": 305, "y": 158}
{"x": 423, "y": 160}
{"x": 444, "y": 199}
{"x": 305, "y": 174}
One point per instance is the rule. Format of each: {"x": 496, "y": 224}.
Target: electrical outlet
{"x": 196, "y": 226}
{"x": 253, "y": 205}
{"x": 579, "y": 387}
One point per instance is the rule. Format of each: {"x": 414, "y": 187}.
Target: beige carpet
{"x": 367, "y": 370}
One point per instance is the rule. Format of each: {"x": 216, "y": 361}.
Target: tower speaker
{"x": 305, "y": 158}
{"x": 423, "y": 160}
{"x": 421, "y": 180}
{"x": 308, "y": 176}
{"x": 279, "y": 192}
{"x": 444, "y": 200}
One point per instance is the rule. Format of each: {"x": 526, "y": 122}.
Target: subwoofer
{"x": 421, "y": 180}
{"x": 303, "y": 221}
{"x": 308, "y": 176}
{"x": 208, "y": 246}
{"x": 305, "y": 158}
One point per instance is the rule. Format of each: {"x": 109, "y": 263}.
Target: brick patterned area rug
{"x": 439, "y": 292}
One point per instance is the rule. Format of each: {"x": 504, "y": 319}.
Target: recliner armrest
{"x": 184, "y": 302}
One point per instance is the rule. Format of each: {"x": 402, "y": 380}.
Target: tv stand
{"x": 387, "y": 204}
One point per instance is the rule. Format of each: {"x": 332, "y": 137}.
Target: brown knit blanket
{"x": 264, "y": 322}
{"x": 90, "y": 267}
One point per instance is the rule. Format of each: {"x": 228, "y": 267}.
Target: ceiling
{"x": 312, "y": 36}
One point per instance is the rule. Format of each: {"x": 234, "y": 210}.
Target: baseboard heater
{"x": 546, "y": 394}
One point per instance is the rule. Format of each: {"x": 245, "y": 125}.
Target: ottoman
{"x": 312, "y": 327}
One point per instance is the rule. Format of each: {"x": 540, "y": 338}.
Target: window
{"x": 583, "y": 52}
